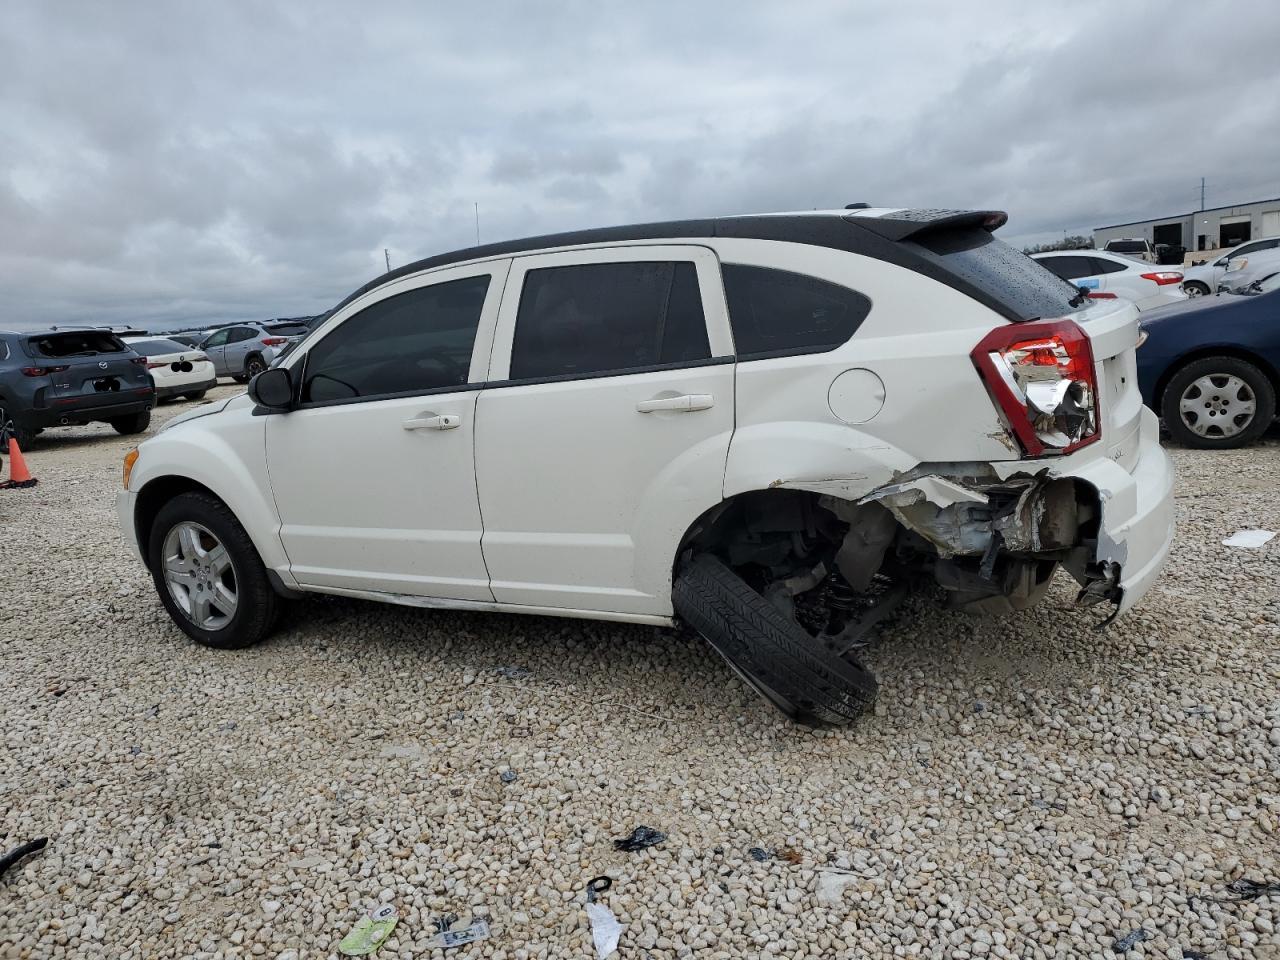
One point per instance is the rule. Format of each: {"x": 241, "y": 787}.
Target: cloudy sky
{"x": 184, "y": 163}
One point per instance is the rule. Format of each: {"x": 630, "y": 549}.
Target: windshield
{"x": 1127, "y": 246}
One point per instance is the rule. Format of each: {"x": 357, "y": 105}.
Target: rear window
{"x": 776, "y": 312}
{"x": 1126, "y": 246}
{"x": 151, "y": 348}
{"x": 82, "y": 343}
{"x": 288, "y": 329}
{"x": 1020, "y": 285}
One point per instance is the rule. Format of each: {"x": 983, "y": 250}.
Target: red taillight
{"x": 1163, "y": 277}
{"x": 152, "y": 364}
{"x": 274, "y": 341}
{"x": 42, "y": 371}
{"x": 1102, "y": 296}
{"x": 139, "y": 360}
{"x": 1041, "y": 375}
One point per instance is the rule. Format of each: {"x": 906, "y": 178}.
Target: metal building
{"x": 1202, "y": 229}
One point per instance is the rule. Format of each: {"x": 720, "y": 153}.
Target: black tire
{"x": 19, "y": 433}
{"x": 240, "y": 378}
{"x": 195, "y": 394}
{"x": 253, "y": 365}
{"x": 768, "y": 649}
{"x": 133, "y": 423}
{"x": 257, "y": 606}
{"x": 1194, "y": 288}
{"x": 1264, "y": 397}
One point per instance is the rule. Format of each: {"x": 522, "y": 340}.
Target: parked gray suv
{"x": 244, "y": 350}
{"x": 72, "y": 376}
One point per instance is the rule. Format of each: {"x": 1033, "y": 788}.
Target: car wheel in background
{"x": 253, "y": 366}
{"x": 22, "y": 435}
{"x": 768, "y": 649}
{"x": 1218, "y": 402}
{"x": 208, "y": 573}
{"x": 195, "y": 394}
{"x": 1194, "y": 288}
{"x": 134, "y": 423}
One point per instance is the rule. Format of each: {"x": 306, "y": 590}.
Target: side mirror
{"x": 273, "y": 389}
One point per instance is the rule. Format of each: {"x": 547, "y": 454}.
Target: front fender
{"x": 226, "y": 453}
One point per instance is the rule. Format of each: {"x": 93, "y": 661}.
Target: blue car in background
{"x": 1211, "y": 366}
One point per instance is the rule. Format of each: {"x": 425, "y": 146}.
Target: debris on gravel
{"x": 352, "y": 760}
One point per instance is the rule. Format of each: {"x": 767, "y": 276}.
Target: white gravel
{"x": 1028, "y": 787}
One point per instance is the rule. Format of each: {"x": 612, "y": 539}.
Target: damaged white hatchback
{"x": 770, "y": 428}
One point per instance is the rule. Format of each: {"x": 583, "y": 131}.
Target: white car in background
{"x": 1134, "y": 247}
{"x": 1206, "y": 278}
{"x": 1110, "y": 276}
{"x": 1246, "y": 270}
{"x": 176, "y": 369}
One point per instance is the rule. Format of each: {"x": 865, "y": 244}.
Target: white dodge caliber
{"x": 769, "y": 428}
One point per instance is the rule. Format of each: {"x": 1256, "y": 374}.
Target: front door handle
{"x": 445, "y": 421}
{"x": 684, "y": 404}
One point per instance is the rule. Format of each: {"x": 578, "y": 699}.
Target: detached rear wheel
{"x": 209, "y": 575}
{"x": 768, "y": 649}
{"x": 1218, "y": 402}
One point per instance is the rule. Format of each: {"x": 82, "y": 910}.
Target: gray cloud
{"x": 201, "y": 162}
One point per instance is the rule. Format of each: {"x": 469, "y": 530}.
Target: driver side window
{"x": 411, "y": 343}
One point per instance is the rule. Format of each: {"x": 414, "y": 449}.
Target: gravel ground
{"x": 1028, "y": 787}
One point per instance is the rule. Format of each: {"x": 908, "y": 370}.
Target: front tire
{"x": 209, "y": 575}
{"x": 1217, "y": 403}
{"x": 1194, "y": 288}
{"x": 773, "y": 653}
{"x": 134, "y": 423}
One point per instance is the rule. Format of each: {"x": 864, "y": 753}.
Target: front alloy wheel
{"x": 200, "y": 576}
{"x": 1218, "y": 402}
{"x": 1218, "y": 405}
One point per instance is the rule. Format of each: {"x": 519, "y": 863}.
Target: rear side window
{"x": 1005, "y": 276}
{"x": 1068, "y": 268}
{"x": 240, "y": 334}
{"x": 415, "y": 341}
{"x": 81, "y": 343}
{"x": 594, "y": 318}
{"x": 776, "y": 312}
{"x": 1100, "y": 266}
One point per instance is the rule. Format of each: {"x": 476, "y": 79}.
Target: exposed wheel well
{"x": 152, "y": 497}
{"x": 1226, "y": 351}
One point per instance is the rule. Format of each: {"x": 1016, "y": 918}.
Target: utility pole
{"x": 387, "y": 256}
{"x": 1202, "y": 193}
{"x": 477, "y": 223}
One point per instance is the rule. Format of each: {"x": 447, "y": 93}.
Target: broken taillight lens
{"x": 1042, "y": 377}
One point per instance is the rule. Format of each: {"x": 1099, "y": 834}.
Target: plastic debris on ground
{"x": 513, "y": 673}
{"x": 638, "y": 839}
{"x": 447, "y": 939}
{"x": 831, "y": 887}
{"x": 370, "y": 931}
{"x": 1245, "y": 889}
{"x": 1249, "y": 539}
{"x": 1130, "y": 940}
{"x": 508, "y": 776}
{"x": 759, "y": 854}
{"x": 22, "y": 852}
{"x": 605, "y": 928}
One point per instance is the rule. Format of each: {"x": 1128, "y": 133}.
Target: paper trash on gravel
{"x": 605, "y": 929}
{"x": 369, "y": 932}
{"x": 446, "y": 939}
{"x": 1251, "y": 539}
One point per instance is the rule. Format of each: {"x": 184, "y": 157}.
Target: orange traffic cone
{"x": 19, "y": 475}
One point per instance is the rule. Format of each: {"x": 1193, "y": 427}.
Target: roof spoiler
{"x": 912, "y": 224}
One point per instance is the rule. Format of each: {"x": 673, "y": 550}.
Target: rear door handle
{"x": 685, "y": 404}
{"x": 445, "y": 421}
